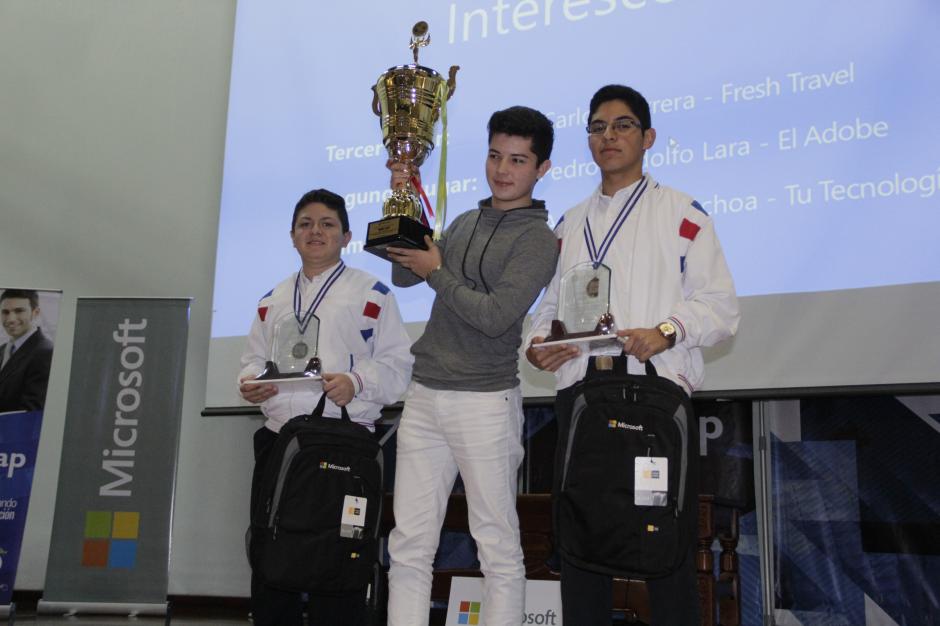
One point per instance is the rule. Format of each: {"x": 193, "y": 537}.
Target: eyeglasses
{"x": 621, "y": 126}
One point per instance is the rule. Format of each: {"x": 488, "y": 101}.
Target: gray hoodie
{"x": 495, "y": 264}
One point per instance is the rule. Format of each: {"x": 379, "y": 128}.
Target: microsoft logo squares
{"x": 111, "y": 539}
{"x": 469, "y": 613}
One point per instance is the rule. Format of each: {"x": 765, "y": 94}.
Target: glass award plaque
{"x": 583, "y": 307}
{"x": 293, "y": 352}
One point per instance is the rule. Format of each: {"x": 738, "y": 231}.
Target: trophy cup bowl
{"x": 408, "y": 100}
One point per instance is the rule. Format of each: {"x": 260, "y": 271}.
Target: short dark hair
{"x": 528, "y": 123}
{"x": 326, "y": 198}
{"x": 28, "y": 294}
{"x": 629, "y": 96}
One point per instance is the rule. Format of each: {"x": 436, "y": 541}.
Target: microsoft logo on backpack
{"x": 624, "y": 425}
{"x": 110, "y": 539}
{"x": 330, "y": 466}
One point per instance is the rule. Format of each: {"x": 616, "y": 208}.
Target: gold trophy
{"x": 409, "y": 99}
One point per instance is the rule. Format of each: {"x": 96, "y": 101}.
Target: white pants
{"x": 478, "y": 434}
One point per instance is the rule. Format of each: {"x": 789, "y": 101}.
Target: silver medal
{"x": 299, "y": 350}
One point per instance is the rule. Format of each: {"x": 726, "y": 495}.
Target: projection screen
{"x": 807, "y": 130}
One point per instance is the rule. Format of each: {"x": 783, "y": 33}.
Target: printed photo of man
{"x": 26, "y": 355}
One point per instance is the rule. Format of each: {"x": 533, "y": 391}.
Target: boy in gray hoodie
{"x": 463, "y": 410}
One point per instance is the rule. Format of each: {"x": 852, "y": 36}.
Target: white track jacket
{"x": 666, "y": 264}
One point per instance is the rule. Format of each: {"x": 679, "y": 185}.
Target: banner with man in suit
{"x": 29, "y": 318}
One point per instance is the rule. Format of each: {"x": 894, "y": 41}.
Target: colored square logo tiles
{"x": 98, "y": 525}
{"x": 111, "y": 539}
{"x": 123, "y": 554}
{"x": 95, "y": 553}
{"x": 126, "y": 525}
{"x": 469, "y": 613}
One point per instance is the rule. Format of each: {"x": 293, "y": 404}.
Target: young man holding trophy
{"x": 656, "y": 257}
{"x": 326, "y": 329}
{"x": 463, "y": 410}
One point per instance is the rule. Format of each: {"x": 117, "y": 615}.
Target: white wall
{"x": 112, "y": 127}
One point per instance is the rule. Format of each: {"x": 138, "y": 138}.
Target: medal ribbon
{"x": 304, "y": 321}
{"x": 598, "y": 254}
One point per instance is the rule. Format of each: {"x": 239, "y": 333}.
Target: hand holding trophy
{"x": 409, "y": 99}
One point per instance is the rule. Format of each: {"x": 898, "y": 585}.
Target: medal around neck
{"x": 583, "y": 308}
{"x": 409, "y": 99}
{"x": 293, "y": 352}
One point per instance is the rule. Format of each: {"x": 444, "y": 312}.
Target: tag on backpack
{"x": 354, "y": 517}
{"x": 650, "y": 481}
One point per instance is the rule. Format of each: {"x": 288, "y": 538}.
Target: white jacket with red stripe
{"x": 666, "y": 263}
{"x": 361, "y": 334}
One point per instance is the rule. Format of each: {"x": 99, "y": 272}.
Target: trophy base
{"x": 593, "y": 341}
{"x": 271, "y": 372}
{"x": 398, "y": 232}
{"x": 597, "y": 338}
{"x": 605, "y": 329}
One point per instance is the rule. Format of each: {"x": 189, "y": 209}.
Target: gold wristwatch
{"x": 668, "y": 331}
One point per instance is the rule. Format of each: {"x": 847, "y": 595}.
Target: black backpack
{"x": 617, "y": 417}
{"x": 321, "y": 473}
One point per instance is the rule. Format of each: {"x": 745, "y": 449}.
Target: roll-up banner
{"x": 29, "y": 318}
{"x": 110, "y": 545}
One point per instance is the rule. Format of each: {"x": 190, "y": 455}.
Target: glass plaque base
{"x": 605, "y": 328}
{"x": 271, "y": 372}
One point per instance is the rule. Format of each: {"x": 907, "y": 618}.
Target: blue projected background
{"x": 807, "y": 129}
